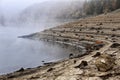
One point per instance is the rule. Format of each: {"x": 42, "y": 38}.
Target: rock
{"x": 113, "y": 35}
{"x": 71, "y": 55}
{"x": 113, "y": 29}
{"x": 20, "y": 70}
{"x": 105, "y": 62}
{"x": 51, "y": 69}
{"x": 49, "y": 63}
{"x": 66, "y": 78}
{"x": 115, "y": 45}
{"x": 97, "y": 54}
{"x": 43, "y": 61}
{"x": 65, "y": 40}
{"x": 98, "y": 46}
{"x": 75, "y": 71}
{"x": 82, "y": 65}
{"x": 75, "y": 61}
{"x": 94, "y": 78}
{"x": 101, "y": 23}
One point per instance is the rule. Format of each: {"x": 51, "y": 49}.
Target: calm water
{"x": 16, "y": 52}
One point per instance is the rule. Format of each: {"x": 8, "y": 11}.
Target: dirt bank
{"x": 102, "y": 61}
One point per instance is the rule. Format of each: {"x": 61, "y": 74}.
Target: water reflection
{"x": 16, "y": 52}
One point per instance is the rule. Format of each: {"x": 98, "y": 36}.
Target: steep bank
{"x": 102, "y": 61}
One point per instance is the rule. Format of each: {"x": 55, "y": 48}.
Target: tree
{"x": 117, "y": 4}
{"x": 93, "y": 7}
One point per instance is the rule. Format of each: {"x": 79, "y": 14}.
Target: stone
{"x": 115, "y": 45}
{"x": 82, "y": 65}
{"x": 105, "y": 62}
{"x": 94, "y": 78}
{"x": 97, "y": 54}
{"x": 71, "y": 55}
{"x": 51, "y": 69}
{"x": 20, "y": 70}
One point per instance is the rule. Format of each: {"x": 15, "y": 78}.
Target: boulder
{"x": 97, "y": 54}
{"x": 104, "y": 62}
{"x": 82, "y": 65}
{"x": 115, "y": 45}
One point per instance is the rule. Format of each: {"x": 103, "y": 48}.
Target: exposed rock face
{"x": 105, "y": 62}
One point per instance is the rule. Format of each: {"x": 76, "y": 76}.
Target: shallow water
{"x": 16, "y": 52}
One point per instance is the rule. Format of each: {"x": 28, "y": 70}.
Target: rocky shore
{"x": 100, "y": 62}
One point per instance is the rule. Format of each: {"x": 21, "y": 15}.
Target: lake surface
{"x": 17, "y": 52}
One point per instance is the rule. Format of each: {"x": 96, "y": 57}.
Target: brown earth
{"x": 102, "y": 61}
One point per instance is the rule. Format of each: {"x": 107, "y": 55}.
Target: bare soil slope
{"x": 101, "y": 63}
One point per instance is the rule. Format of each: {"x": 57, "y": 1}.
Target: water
{"x": 16, "y": 52}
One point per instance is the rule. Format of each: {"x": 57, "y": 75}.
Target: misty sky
{"x": 15, "y": 6}
{"x": 12, "y": 7}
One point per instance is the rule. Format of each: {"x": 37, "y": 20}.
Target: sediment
{"x": 100, "y": 62}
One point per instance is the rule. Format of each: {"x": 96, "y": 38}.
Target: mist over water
{"x": 17, "y": 52}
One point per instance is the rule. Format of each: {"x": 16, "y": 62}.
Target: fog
{"x": 17, "y": 12}
{"x": 14, "y": 21}
{"x": 16, "y": 6}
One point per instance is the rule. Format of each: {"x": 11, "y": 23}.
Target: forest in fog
{"x": 60, "y": 10}
{"x": 94, "y": 7}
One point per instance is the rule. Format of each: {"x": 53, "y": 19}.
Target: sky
{"x": 15, "y": 6}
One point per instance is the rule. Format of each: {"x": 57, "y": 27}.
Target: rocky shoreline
{"x": 100, "y": 62}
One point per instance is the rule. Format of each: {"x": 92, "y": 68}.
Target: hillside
{"x": 65, "y": 10}
{"x": 51, "y": 11}
{"x": 100, "y": 62}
